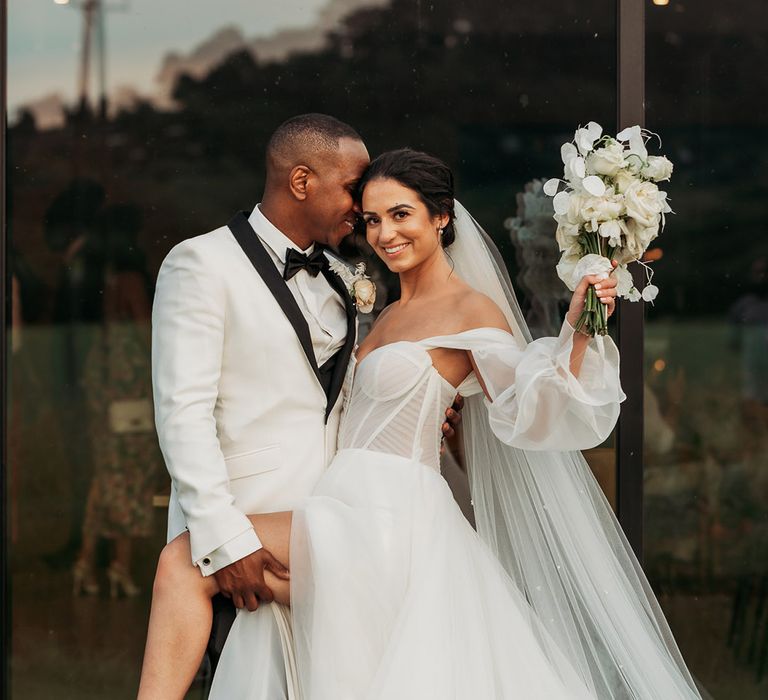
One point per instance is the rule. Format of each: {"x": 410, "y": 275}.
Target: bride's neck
{"x": 426, "y": 278}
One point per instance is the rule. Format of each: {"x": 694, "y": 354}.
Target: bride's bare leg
{"x": 179, "y": 624}
{"x": 275, "y": 534}
{"x": 181, "y": 615}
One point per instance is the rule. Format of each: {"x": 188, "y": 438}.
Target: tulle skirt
{"x": 395, "y": 597}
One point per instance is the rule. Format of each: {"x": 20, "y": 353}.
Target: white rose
{"x": 597, "y": 209}
{"x": 364, "y": 291}
{"x": 566, "y": 235}
{"x": 644, "y": 203}
{"x": 573, "y": 212}
{"x": 607, "y": 160}
{"x": 622, "y": 180}
{"x": 644, "y": 234}
{"x": 658, "y": 168}
{"x": 637, "y": 238}
{"x": 647, "y": 234}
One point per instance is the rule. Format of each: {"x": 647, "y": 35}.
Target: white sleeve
{"x": 538, "y": 404}
{"x": 188, "y": 319}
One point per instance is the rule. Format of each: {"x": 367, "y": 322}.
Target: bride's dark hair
{"x": 426, "y": 175}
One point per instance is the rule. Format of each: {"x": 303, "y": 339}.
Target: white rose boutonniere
{"x": 359, "y": 285}
{"x": 364, "y": 292}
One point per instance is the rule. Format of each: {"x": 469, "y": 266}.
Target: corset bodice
{"x": 395, "y": 400}
{"x": 396, "y": 403}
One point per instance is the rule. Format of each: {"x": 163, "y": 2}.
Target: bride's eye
{"x": 400, "y": 215}
{"x": 371, "y": 220}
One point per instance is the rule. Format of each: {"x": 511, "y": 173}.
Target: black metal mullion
{"x": 5, "y": 614}
{"x": 629, "y": 440}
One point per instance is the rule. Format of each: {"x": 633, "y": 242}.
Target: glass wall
{"x": 136, "y": 128}
{"x": 706, "y": 346}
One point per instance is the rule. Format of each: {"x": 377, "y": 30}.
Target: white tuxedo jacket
{"x": 242, "y": 419}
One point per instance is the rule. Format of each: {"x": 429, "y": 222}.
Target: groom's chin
{"x": 335, "y": 239}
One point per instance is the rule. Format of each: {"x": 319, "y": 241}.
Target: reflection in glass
{"x": 536, "y": 254}
{"x": 98, "y": 196}
{"x": 117, "y": 386}
{"x": 706, "y": 347}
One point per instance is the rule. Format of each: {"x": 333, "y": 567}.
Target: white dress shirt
{"x": 320, "y": 304}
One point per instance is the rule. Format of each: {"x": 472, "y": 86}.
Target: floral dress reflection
{"x": 124, "y": 448}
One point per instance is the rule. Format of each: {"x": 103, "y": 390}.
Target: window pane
{"x": 706, "y": 420}
{"x": 108, "y": 170}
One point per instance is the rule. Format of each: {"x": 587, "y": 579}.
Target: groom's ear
{"x": 298, "y": 181}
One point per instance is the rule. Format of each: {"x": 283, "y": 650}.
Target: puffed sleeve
{"x": 536, "y": 402}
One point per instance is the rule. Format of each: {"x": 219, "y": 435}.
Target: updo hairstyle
{"x": 427, "y": 176}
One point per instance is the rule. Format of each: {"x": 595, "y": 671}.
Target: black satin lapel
{"x": 254, "y": 249}
{"x": 340, "y": 370}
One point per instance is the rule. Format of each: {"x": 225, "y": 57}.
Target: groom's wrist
{"x": 237, "y": 548}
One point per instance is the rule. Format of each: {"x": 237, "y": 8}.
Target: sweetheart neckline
{"x": 456, "y": 389}
{"x": 431, "y": 337}
{"x": 432, "y": 367}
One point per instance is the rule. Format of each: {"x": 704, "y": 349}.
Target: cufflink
{"x": 206, "y": 562}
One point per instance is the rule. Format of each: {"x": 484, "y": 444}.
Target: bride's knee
{"x": 175, "y": 569}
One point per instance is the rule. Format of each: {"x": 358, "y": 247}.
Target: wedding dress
{"x": 396, "y": 597}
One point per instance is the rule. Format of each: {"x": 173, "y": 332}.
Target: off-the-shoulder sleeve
{"x": 537, "y": 403}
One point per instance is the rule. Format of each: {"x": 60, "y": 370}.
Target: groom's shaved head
{"x": 314, "y": 163}
{"x": 302, "y": 139}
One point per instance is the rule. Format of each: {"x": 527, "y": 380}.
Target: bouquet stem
{"x": 594, "y": 318}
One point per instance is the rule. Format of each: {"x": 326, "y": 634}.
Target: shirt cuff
{"x": 238, "y": 547}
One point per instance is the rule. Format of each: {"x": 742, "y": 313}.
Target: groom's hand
{"x": 243, "y": 580}
{"x": 453, "y": 417}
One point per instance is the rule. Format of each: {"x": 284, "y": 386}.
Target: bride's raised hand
{"x": 604, "y": 288}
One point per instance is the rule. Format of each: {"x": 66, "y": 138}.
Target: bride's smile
{"x": 399, "y": 226}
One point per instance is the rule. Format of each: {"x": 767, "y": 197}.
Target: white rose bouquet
{"x": 610, "y": 209}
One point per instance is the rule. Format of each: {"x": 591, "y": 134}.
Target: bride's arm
{"x": 606, "y": 293}
{"x": 558, "y": 393}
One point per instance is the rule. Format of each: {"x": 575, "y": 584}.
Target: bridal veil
{"x": 546, "y": 519}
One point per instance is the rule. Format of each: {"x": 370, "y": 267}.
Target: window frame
{"x": 630, "y": 37}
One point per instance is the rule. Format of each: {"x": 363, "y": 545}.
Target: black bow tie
{"x": 295, "y": 261}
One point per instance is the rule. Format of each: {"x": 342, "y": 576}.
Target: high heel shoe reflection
{"x": 120, "y": 580}
{"x": 83, "y": 581}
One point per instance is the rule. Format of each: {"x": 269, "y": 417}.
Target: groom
{"x": 252, "y": 335}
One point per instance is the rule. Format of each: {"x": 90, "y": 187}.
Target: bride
{"x": 393, "y": 595}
